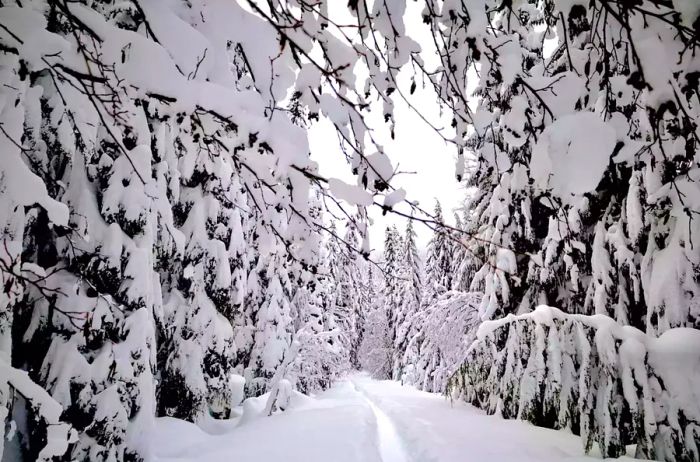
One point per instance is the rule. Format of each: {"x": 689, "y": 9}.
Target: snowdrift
{"x": 613, "y": 385}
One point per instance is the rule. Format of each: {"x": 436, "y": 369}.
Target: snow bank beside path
{"x": 436, "y": 430}
{"x": 337, "y": 426}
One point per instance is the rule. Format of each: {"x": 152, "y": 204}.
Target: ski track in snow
{"x": 364, "y": 420}
{"x": 391, "y": 447}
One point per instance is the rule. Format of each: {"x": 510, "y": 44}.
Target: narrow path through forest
{"x": 364, "y": 420}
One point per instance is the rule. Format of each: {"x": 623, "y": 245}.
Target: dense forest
{"x": 168, "y": 246}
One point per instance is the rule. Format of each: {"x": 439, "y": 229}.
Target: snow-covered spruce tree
{"x": 272, "y": 322}
{"x": 393, "y": 288}
{"x": 438, "y": 271}
{"x": 345, "y": 279}
{"x": 640, "y": 222}
{"x": 316, "y": 355}
{"x": 23, "y": 194}
{"x": 459, "y": 254}
{"x": 467, "y": 257}
{"x": 376, "y": 349}
{"x": 243, "y": 325}
{"x": 321, "y": 357}
{"x": 504, "y": 128}
{"x": 201, "y": 291}
{"x": 405, "y": 314}
{"x": 351, "y": 290}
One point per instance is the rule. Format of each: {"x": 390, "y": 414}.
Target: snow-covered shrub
{"x": 611, "y": 384}
{"x": 438, "y": 337}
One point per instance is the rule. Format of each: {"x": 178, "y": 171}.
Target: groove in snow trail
{"x": 391, "y": 447}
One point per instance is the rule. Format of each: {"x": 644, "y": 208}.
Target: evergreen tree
{"x": 350, "y": 288}
{"x": 405, "y": 314}
{"x": 579, "y": 237}
{"x": 438, "y": 275}
{"x": 468, "y": 254}
{"x": 342, "y": 303}
{"x": 319, "y": 354}
{"x": 273, "y": 324}
{"x": 393, "y": 287}
{"x": 563, "y": 218}
{"x": 376, "y": 349}
{"x": 320, "y": 358}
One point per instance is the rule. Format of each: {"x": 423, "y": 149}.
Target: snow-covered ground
{"x": 363, "y": 420}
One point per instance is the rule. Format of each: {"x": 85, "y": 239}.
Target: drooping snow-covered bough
{"x": 611, "y": 384}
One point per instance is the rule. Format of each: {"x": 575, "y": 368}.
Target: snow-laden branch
{"x": 611, "y": 384}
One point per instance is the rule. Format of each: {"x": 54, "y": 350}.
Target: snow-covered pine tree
{"x": 405, "y": 314}
{"x": 339, "y": 291}
{"x": 350, "y": 287}
{"x": 376, "y": 349}
{"x": 272, "y": 322}
{"x": 393, "y": 288}
{"x": 438, "y": 274}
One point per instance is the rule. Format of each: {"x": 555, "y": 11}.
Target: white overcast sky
{"x": 416, "y": 148}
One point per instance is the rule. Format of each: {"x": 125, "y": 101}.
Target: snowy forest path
{"x": 364, "y": 420}
{"x": 391, "y": 445}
